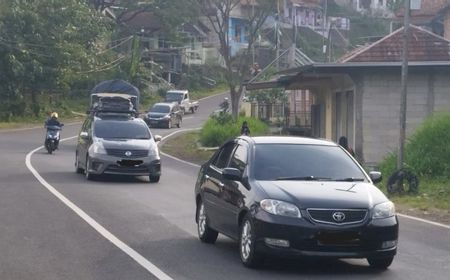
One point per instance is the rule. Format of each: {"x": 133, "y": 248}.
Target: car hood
{"x": 156, "y": 115}
{"x": 128, "y": 144}
{"x": 307, "y": 194}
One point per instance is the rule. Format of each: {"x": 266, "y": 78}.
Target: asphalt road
{"x": 41, "y": 237}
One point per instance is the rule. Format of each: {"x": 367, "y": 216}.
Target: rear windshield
{"x": 160, "y": 109}
{"x": 276, "y": 161}
{"x": 174, "y": 96}
{"x": 121, "y": 130}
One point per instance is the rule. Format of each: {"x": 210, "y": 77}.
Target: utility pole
{"x": 403, "y": 98}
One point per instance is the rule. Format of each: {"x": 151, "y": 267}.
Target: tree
{"x": 218, "y": 14}
{"x": 45, "y": 45}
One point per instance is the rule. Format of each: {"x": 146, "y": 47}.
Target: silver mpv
{"x": 120, "y": 145}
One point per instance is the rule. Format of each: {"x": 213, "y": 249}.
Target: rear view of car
{"x": 164, "y": 115}
{"x": 117, "y": 145}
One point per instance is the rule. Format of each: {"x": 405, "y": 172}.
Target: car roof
{"x": 287, "y": 140}
{"x": 170, "y": 104}
{"x": 118, "y": 118}
{"x": 178, "y": 91}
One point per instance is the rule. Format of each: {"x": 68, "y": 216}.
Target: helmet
{"x": 54, "y": 115}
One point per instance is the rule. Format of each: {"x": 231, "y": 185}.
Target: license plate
{"x": 344, "y": 238}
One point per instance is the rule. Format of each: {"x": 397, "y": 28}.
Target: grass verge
{"x": 185, "y": 146}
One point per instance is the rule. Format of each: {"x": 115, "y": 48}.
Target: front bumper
{"x": 308, "y": 238}
{"x": 106, "y": 164}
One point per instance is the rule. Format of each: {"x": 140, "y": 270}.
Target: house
{"x": 367, "y": 6}
{"x": 303, "y": 13}
{"x": 433, "y": 15}
{"x": 359, "y": 96}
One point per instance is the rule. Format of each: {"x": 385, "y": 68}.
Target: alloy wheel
{"x": 246, "y": 240}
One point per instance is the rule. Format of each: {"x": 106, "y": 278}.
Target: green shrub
{"x": 219, "y": 129}
{"x": 427, "y": 151}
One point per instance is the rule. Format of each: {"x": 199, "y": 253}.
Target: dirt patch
{"x": 435, "y": 215}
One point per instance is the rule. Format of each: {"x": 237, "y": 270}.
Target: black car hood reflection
{"x": 329, "y": 194}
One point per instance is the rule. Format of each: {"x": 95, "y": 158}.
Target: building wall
{"x": 381, "y": 107}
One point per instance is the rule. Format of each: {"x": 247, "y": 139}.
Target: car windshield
{"x": 174, "y": 96}
{"x": 160, "y": 109}
{"x": 303, "y": 162}
{"x": 121, "y": 130}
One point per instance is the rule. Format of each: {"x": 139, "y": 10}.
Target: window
{"x": 121, "y": 130}
{"x": 224, "y": 155}
{"x": 239, "y": 159}
{"x": 237, "y": 33}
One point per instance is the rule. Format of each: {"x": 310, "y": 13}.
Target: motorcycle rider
{"x": 53, "y": 121}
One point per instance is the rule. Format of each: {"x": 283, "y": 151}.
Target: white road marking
{"x": 150, "y": 267}
{"x": 424, "y": 221}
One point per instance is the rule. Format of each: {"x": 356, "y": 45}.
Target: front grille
{"x": 341, "y": 216}
{"x": 123, "y": 153}
{"x": 127, "y": 169}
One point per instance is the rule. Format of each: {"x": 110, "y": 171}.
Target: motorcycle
{"x": 52, "y": 137}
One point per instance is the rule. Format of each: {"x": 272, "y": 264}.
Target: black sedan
{"x": 292, "y": 196}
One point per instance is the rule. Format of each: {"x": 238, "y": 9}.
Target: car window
{"x": 174, "y": 96}
{"x": 273, "y": 161}
{"x": 121, "y": 130}
{"x": 224, "y": 155}
{"x": 160, "y": 109}
{"x": 239, "y": 159}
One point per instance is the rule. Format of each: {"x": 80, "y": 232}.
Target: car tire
{"x": 89, "y": 176}
{"x": 247, "y": 244}
{"x": 192, "y": 110}
{"x": 78, "y": 169}
{"x": 380, "y": 263}
{"x": 153, "y": 179}
{"x": 205, "y": 233}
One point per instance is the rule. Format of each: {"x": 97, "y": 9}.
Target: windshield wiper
{"x": 303, "y": 178}
{"x": 349, "y": 179}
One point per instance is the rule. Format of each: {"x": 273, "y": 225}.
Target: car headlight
{"x": 383, "y": 210}
{"x": 97, "y": 148}
{"x": 281, "y": 208}
{"x": 166, "y": 117}
{"x": 154, "y": 152}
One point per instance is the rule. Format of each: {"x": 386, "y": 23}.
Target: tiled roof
{"x": 424, "y": 46}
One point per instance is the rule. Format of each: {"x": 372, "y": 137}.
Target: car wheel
{"x": 78, "y": 169}
{"x": 192, "y": 110}
{"x": 380, "y": 263}
{"x": 153, "y": 179}
{"x": 205, "y": 233}
{"x": 249, "y": 256}
{"x": 87, "y": 174}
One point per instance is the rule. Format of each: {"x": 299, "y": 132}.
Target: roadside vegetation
{"x": 427, "y": 154}
{"x": 222, "y": 127}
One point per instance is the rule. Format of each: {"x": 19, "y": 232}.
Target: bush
{"x": 427, "y": 151}
{"x": 219, "y": 129}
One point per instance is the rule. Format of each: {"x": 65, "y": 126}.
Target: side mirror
{"x": 84, "y": 134}
{"x": 375, "y": 176}
{"x": 157, "y": 138}
{"x": 232, "y": 174}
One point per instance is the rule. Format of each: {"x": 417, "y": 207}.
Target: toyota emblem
{"x": 338, "y": 216}
{"x": 128, "y": 153}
